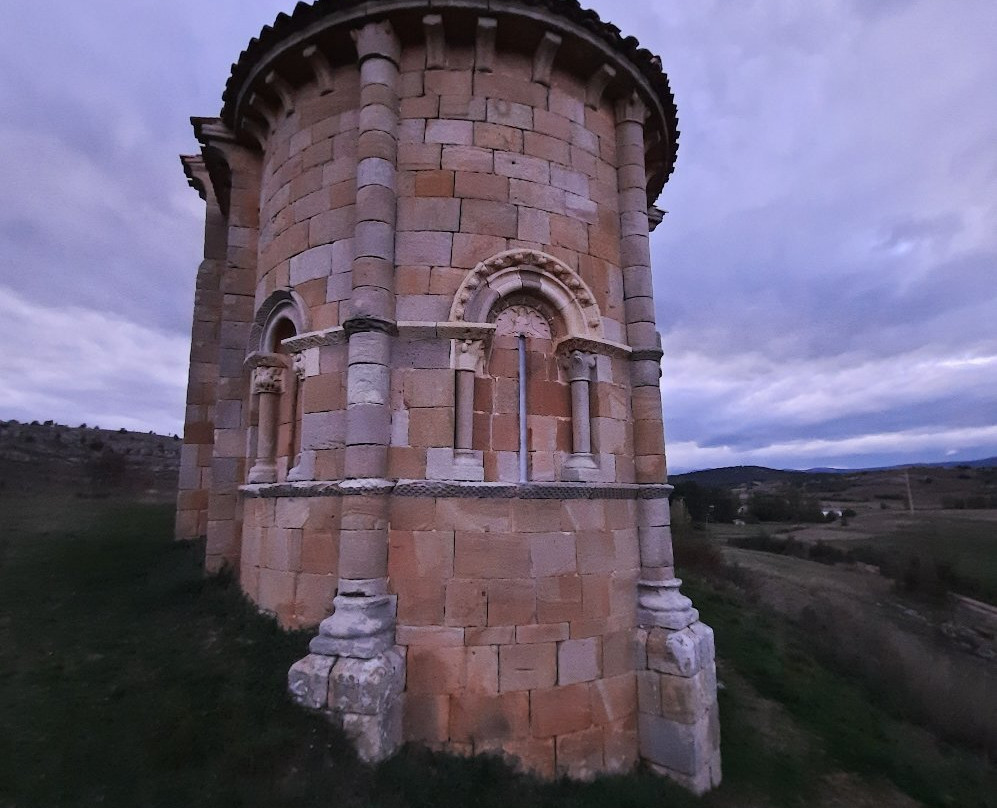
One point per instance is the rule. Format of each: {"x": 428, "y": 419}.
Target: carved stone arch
{"x": 534, "y": 273}
{"x": 281, "y": 305}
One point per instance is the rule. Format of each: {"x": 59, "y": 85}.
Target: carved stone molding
{"x": 536, "y": 273}
{"x": 457, "y": 489}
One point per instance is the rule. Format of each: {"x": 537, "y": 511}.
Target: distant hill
{"x": 737, "y": 475}
{"x": 730, "y": 476}
{"x": 984, "y": 463}
{"x": 87, "y": 461}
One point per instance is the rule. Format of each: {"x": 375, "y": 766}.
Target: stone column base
{"x": 361, "y": 695}
{"x": 678, "y": 721}
{"x": 304, "y": 469}
{"x": 455, "y": 464}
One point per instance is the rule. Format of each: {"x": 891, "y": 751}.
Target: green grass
{"x": 856, "y": 731}
{"x": 968, "y": 547}
{"x": 127, "y": 678}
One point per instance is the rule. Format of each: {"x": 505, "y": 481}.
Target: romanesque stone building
{"x": 423, "y": 411}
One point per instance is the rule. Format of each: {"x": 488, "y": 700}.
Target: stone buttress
{"x": 424, "y": 412}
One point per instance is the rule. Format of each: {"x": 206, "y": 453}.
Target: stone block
{"x": 308, "y": 681}
{"x": 528, "y": 755}
{"x": 484, "y": 217}
{"x": 596, "y": 551}
{"x": 558, "y": 598}
{"x": 552, "y": 554}
{"x": 421, "y": 553}
{"x": 471, "y": 248}
{"x": 527, "y": 667}
{"x": 560, "y": 710}
{"x": 376, "y": 171}
{"x": 579, "y": 660}
{"x": 536, "y": 195}
{"x": 375, "y": 737}
{"x": 482, "y": 719}
{"x": 491, "y": 555}
{"x": 435, "y": 636}
{"x": 673, "y": 652}
{"x": 426, "y": 717}
{"x": 534, "y": 225}
{"x": 436, "y": 669}
{"x": 684, "y": 748}
{"x": 414, "y": 513}
{"x": 462, "y": 108}
{"x": 453, "y": 132}
{"x": 621, "y": 745}
{"x": 493, "y": 635}
{"x": 471, "y": 185}
{"x": 686, "y": 699}
{"x": 521, "y": 166}
{"x": 511, "y": 601}
{"x": 507, "y": 113}
{"x": 420, "y": 601}
{"x": 545, "y": 147}
{"x": 423, "y": 248}
{"x": 580, "y": 754}
{"x": 542, "y": 632}
{"x": 497, "y": 136}
{"x": 319, "y": 550}
{"x": 467, "y": 159}
{"x": 614, "y": 698}
{"x": 292, "y": 512}
{"x": 277, "y": 593}
{"x": 482, "y": 669}
{"x": 314, "y": 595}
{"x": 419, "y": 156}
{"x": 466, "y": 603}
{"x": 649, "y": 692}
{"x": 311, "y": 264}
{"x": 434, "y": 184}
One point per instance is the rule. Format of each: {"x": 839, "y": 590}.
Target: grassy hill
{"x": 87, "y": 461}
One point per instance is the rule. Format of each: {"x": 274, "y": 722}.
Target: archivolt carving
{"x": 533, "y": 272}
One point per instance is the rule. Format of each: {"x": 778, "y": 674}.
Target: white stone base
{"x": 678, "y": 719}
{"x": 362, "y": 695}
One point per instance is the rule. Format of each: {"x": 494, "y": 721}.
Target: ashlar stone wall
{"x": 424, "y": 410}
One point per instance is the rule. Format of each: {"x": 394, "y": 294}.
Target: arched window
{"x": 523, "y": 386}
{"x": 274, "y": 391}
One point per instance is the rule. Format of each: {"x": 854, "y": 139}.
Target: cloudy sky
{"x": 826, "y": 277}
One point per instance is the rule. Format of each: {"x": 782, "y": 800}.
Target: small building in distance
{"x": 424, "y": 412}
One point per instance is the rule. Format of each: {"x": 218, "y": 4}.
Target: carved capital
{"x": 268, "y": 380}
{"x": 469, "y": 354}
{"x": 579, "y": 366}
{"x": 378, "y": 39}
{"x": 299, "y": 365}
{"x": 632, "y": 109}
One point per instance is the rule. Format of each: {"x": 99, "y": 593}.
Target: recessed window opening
{"x": 523, "y": 321}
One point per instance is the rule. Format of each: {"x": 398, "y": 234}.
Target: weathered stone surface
{"x": 367, "y": 686}
{"x": 404, "y": 218}
{"x": 308, "y": 681}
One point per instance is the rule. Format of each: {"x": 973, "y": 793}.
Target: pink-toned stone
{"x": 527, "y": 667}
